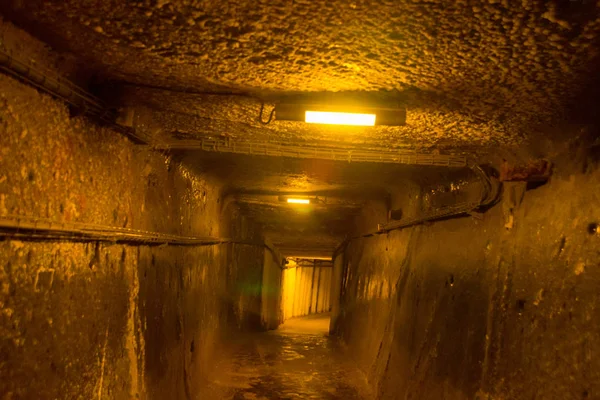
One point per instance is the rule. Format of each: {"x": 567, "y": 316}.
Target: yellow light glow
{"x": 339, "y": 118}
{"x": 298, "y": 201}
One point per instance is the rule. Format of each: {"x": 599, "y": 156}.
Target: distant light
{"x": 339, "y": 118}
{"x": 298, "y": 201}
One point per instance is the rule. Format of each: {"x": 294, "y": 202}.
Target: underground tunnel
{"x": 299, "y": 199}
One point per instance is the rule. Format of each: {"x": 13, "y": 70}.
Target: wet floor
{"x": 297, "y": 361}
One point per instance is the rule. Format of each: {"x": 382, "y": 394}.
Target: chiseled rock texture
{"x": 470, "y": 72}
{"x": 468, "y": 309}
{"x": 88, "y": 320}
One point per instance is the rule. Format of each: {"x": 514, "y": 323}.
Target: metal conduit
{"x": 64, "y": 90}
{"x": 295, "y": 151}
{"x": 56, "y": 86}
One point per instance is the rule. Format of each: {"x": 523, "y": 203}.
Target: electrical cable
{"x": 260, "y": 117}
{"x": 19, "y": 227}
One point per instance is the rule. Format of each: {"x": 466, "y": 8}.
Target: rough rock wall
{"x": 466, "y": 308}
{"x": 87, "y": 320}
{"x": 271, "y": 315}
{"x": 244, "y": 277}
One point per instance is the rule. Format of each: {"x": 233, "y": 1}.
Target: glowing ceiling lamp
{"x": 298, "y": 201}
{"x": 339, "y": 115}
{"x": 339, "y": 118}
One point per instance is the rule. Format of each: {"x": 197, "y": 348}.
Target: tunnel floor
{"x": 297, "y": 361}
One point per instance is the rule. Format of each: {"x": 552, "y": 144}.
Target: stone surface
{"x": 92, "y": 320}
{"x": 470, "y": 72}
{"x": 475, "y": 308}
{"x": 270, "y": 301}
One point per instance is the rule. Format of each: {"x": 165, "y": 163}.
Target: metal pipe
{"x": 490, "y": 194}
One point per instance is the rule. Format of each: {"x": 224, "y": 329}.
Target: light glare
{"x": 339, "y": 118}
{"x": 298, "y": 201}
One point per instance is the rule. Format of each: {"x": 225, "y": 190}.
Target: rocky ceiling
{"x": 469, "y": 72}
{"x": 472, "y": 74}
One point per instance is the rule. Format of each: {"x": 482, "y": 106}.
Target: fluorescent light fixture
{"x": 339, "y": 118}
{"x": 298, "y": 201}
{"x": 340, "y": 114}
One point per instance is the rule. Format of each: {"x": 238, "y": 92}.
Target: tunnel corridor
{"x": 299, "y": 200}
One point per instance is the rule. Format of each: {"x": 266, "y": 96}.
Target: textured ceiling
{"x": 471, "y": 74}
{"x": 188, "y": 116}
{"x": 483, "y": 72}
